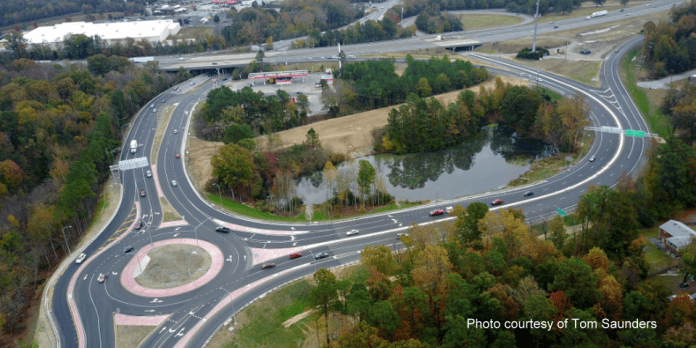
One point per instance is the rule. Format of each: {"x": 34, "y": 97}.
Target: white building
{"x": 152, "y": 31}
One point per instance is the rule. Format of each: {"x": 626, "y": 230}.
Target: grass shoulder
{"x": 482, "y": 21}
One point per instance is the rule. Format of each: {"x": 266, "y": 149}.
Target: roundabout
{"x": 135, "y": 275}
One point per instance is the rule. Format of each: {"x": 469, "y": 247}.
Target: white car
{"x": 148, "y": 174}
{"x": 174, "y": 183}
{"x": 81, "y": 258}
{"x": 352, "y": 232}
{"x": 175, "y": 131}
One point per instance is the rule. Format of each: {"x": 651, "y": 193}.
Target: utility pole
{"x": 66, "y": 239}
{"x": 566, "y": 52}
{"x": 536, "y": 21}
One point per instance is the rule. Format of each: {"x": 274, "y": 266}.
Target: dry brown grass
{"x": 168, "y": 212}
{"x": 353, "y": 134}
{"x": 163, "y": 114}
{"x": 128, "y": 336}
{"x": 579, "y": 70}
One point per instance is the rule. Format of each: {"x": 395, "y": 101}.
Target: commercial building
{"x": 152, "y": 31}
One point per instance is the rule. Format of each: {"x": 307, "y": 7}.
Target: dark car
{"x": 295, "y": 255}
{"x": 139, "y": 225}
{"x": 585, "y": 52}
{"x": 321, "y": 255}
{"x": 555, "y": 27}
{"x": 142, "y": 193}
{"x": 127, "y": 249}
{"x": 497, "y": 202}
{"x": 268, "y": 265}
{"x": 164, "y": 101}
{"x": 528, "y": 193}
{"x": 222, "y": 229}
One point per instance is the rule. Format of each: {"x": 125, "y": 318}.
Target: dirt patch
{"x": 471, "y": 22}
{"x": 198, "y": 166}
{"x": 131, "y": 336}
{"x": 168, "y": 212}
{"x": 110, "y": 195}
{"x": 352, "y": 134}
{"x": 296, "y": 318}
{"x": 174, "y": 265}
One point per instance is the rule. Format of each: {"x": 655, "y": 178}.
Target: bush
{"x": 526, "y": 53}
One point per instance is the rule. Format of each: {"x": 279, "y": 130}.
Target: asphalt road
{"x": 96, "y": 302}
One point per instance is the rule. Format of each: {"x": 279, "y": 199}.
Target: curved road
{"x": 84, "y": 309}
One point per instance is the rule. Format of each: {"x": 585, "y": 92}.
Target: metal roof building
{"x": 152, "y": 31}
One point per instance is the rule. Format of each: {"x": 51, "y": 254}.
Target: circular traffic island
{"x": 162, "y": 269}
{"x": 170, "y": 266}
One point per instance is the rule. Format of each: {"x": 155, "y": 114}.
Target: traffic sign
{"x": 560, "y": 212}
{"x": 635, "y": 133}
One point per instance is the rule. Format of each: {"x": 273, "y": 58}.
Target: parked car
{"x": 268, "y": 265}
{"x": 81, "y": 258}
{"x": 174, "y": 183}
{"x": 295, "y": 255}
{"x": 222, "y": 229}
{"x": 127, "y": 249}
{"x": 176, "y": 131}
{"x": 148, "y": 174}
{"x": 528, "y": 193}
{"x": 164, "y": 101}
{"x": 352, "y": 232}
{"x": 102, "y": 278}
{"x": 497, "y": 202}
{"x": 585, "y": 52}
{"x": 437, "y": 212}
{"x": 321, "y": 255}
{"x": 139, "y": 225}
{"x": 142, "y": 193}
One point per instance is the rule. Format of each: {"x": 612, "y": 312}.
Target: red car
{"x": 497, "y": 202}
{"x": 177, "y": 155}
{"x": 437, "y": 212}
{"x": 142, "y": 193}
{"x": 295, "y": 255}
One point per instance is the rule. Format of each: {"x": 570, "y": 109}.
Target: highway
{"x": 83, "y": 309}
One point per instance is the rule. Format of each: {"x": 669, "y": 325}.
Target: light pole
{"x": 66, "y": 239}
{"x": 566, "y": 52}
{"x": 195, "y": 230}
{"x": 219, "y": 192}
{"x": 234, "y": 313}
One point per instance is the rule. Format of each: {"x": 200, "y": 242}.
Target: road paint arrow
{"x": 149, "y": 310}
{"x": 244, "y": 257}
{"x": 163, "y": 329}
{"x": 181, "y": 333}
{"x": 172, "y": 330}
{"x": 85, "y": 278}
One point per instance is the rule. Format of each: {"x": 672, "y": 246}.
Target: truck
{"x": 134, "y": 146}
{"x": 597, "y": 14}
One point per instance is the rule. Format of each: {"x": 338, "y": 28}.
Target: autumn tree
{"x": 379, "y": 257}
{"x": 467, "y": 223}
{"x": 233, "y": 166}
{"x": 366, "y": 177}
{"x": 324, "y": 294}
{"x": 312, "y": 139}
{"x": 505, "y": 225}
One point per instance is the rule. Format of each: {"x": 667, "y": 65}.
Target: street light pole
{"x": 566, "y": 52}
{"x": 66, "y": 240}
{"x": 219, "y": 192}
{"x": 234, "y": 313}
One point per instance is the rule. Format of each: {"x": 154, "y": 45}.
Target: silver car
{"x": 174, "y": 183}
{"x": 148, "y": 174}
{"x": 352, "y": 232}
{"x": 81, "y": 258}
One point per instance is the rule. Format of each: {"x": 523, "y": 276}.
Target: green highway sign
{"x": 635, "y": 133}
{"x": 560, "y": 212}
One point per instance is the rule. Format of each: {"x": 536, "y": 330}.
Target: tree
{"x": 17, "y": 43}
{"x": 383, "y": 316}
{"x": 519, "y": 107}
{"x": 577, "y": 281}
{"x": 323, "y": 296}
{"x": 366, "y": 177}
{"x": 599, "y": 2}
{"x": 565, "y": 6}
{"x": 423, "y": 88}
{"x": 312, "y": 139}
{"x": 466, "y": 224}
{"x": 507, "y": 226}
{"x": 379, "y": 257}
{"x": 216, "y": 19}
{"x": 233, "y": 166}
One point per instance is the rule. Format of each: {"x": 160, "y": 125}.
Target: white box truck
{"x": 134, "y": 146}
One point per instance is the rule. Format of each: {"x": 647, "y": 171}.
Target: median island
{"x": 173, "y": 265}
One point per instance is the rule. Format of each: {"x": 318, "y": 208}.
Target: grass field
{"x": 658, "y": 123}
{"x": 578, "y": 70}
{"x": 587, "y": 10}
{"x": 191, "y": 33}
{"x": 131, "y": 336}
{"x": 514, "y": 46}
{"x": 471, "y": 22}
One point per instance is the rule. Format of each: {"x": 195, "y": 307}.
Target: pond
{"x": 485, "y": 162}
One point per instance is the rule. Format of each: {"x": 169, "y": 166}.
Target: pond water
{"x": 486, "y": 162}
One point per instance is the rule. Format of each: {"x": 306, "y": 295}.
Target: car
{"x": 139, "y": 225}
{"x": 127, "y": 249}
{"x": 181, "y": 58}
{"x": 528, "y": 193}
{"x": 102, "y": 278}
{"x": 142, "y": 193}
{"x": 174, "y": 183}
{"x": 154, "y": 110}
{"x": 497, "y": 202}
{"x": 177, "y": 156}
{"x": 321, "y": 255}
{"x": 621, "y": 10}
{"x": 555, "y": 27}
{"x": 152, "y": 106}
{"x": 585, "y": 52}
{"x": 449, "y": 210}
{"x": 224, "y": 79}
{"x": 295, "y": 255}
{"x": 298, "y": 93}
{"x": 268, "y": 265}
{"x": 214, "y": 63}
{"x": 551, "y": 22}
{"x": 398, "y": 235}
{"x": 193, "y": 83}
{"x": 81, "y": 258}
{"x": 164, "y": 101}
{"x": 591, "y": 158}
{"x": 148, "y": 174}
{"x": 222, "y": 229}
{"x": 437, "y": 212}
{"x": 352, "y": 232}
{"x": 350, "y": 56}
{"x": 176, "y": 131}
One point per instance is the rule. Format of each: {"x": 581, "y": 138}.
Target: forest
{"x": 670, "y": 47}
{"x": 60, "y": 127}
{"x": 370, "y": 31}
{"x": 490, "y": 266}
{"x": 433, "y": 21}
{"x": 15, "y": 12}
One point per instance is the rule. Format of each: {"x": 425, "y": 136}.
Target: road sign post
{"x": 560, "y": 212}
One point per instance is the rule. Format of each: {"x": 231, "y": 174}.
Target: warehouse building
{"x": 152, "y": 31}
